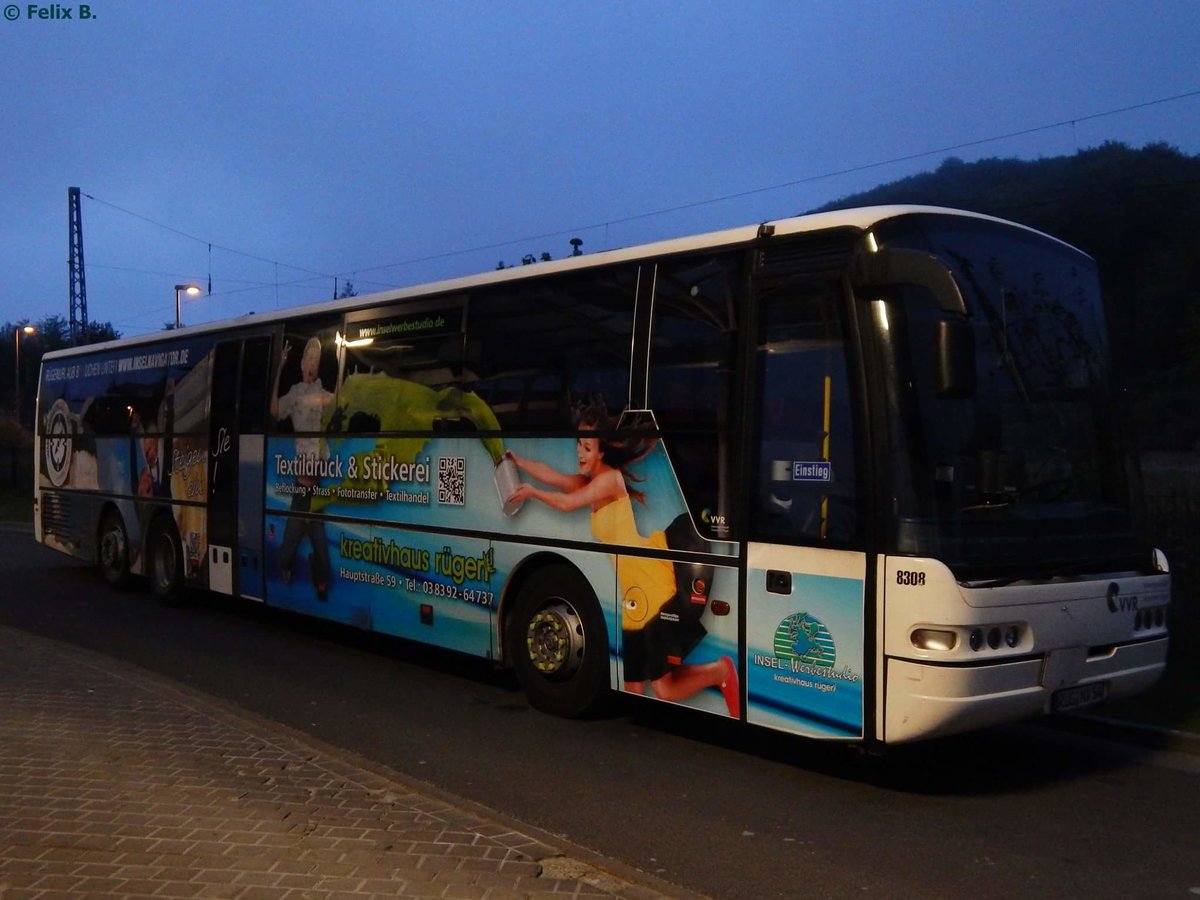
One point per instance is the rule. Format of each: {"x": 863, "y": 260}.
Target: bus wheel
{"x": 164, "y": 560}
{"x": 557, "y": 642}
{"x": 112, "y": 554}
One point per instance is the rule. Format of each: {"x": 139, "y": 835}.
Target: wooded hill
{"x": 1135, "y": 211}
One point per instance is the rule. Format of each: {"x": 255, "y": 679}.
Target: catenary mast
{"x": 79, "y": 315}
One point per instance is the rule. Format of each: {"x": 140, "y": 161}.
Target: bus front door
{"x": 805, "y": 609}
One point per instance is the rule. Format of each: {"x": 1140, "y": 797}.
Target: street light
{"x": 191, "y": 290}
{"x": 17, "y": 332}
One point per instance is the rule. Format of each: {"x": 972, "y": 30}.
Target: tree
{"x": 50, "y": 333}
{"x": 99, "y": 332}
{"x": 54, "y": 333}
{"x": 1129, "y": 209}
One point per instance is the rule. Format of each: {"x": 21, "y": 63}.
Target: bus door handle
{"x": 779, "y": 582}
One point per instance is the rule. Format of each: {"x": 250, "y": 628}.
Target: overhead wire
{"x": 497, "y": 245}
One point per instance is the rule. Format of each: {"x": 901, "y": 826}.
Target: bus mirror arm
{"x": 955, "y": 344}
{"x": 890, "y": 266}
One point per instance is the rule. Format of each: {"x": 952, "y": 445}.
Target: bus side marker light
{"x": 934, "y": 639}
{"x": 426, "y": 614}
{"x": 720, "y": 607}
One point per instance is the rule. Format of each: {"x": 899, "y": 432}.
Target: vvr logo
{"x": 1117, "y": 603}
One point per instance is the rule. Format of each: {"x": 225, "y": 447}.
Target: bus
{"x": 854, "y": 476}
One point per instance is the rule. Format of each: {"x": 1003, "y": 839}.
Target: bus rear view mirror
{"x": 954, "y": 359}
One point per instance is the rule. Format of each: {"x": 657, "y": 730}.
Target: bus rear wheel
{"x": 164, "y": 560}
{"x": 557, "y": 642}
{"x": 112, "y": 551}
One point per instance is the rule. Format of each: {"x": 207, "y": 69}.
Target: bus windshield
{"x": 1022, "y": 471}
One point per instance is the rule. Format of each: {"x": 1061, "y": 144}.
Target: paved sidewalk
{"x": 117, "y": 783}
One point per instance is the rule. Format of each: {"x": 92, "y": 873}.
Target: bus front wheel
{"x": 112, "y": 552}
{"x": 164, "y": 560}
{"x": 557, "y": 642}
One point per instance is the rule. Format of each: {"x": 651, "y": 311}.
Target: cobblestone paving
{"x": 115, "y": 784}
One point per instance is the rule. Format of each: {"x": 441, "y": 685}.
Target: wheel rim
{"x": 165, "y": 563}
{"x": 112, "y": 550}
{"x": 555, "y": 640}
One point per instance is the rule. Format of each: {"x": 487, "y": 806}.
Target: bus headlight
{"x": 1003, "y": 637}
{"x": 934, "y": 639}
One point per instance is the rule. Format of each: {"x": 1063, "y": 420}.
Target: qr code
{"x": 452, "y": 480}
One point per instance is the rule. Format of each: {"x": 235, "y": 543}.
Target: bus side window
{"x": 534, "y": 349}
{"x": 806, "y": 484}
{"x": 691, "y": 364}
{"x": 306, "y": 355}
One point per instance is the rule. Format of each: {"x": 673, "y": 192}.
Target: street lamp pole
{"x": 17, "y": 332}
{"x": 180, "y": 289}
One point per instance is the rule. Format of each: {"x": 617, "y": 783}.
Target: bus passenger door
{"x": 236, "y": 438}
{"x": 252, "y": 412}
{"x": 222, "y": 467}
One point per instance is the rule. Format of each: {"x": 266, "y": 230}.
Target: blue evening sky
{"x": 399, "y": 142}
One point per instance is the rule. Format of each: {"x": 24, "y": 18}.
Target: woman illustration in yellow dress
{"x": 656, "y": 628}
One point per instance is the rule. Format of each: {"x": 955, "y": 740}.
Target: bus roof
{"x": 862, "y": 218}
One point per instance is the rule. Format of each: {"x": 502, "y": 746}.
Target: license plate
{"x": 1078, "y": 696}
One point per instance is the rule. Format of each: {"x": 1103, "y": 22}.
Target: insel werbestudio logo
{"x": 803, "y": 646}
{"x": 803, "y": 638}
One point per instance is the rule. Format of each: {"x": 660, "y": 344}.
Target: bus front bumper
{"x": 924, "y": 700}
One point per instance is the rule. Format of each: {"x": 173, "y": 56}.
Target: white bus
{"x": 853, "y": 476}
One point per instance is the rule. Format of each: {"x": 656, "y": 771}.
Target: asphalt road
{"x": 1016, "y": 812}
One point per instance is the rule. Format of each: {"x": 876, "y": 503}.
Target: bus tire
{"x": 112, "y": 550}
{"x": 557, "y": 643}
{"x": 164, "y": 560}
